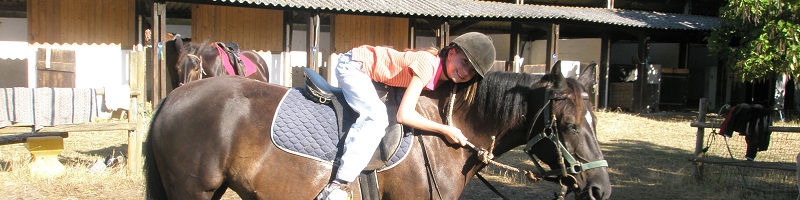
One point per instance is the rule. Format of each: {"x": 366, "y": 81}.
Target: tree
{"x": 759, "y": 38}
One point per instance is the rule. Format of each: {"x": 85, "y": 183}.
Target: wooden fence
{"x": 771, "y": 168}
{"x": 25, "y": 133}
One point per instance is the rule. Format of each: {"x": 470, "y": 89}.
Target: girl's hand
{"x": 453, "y": 135}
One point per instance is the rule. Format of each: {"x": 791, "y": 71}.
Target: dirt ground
{"x": 648, "y": 158}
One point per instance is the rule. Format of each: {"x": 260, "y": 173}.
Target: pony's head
{"x": 190, "y": 64}
{"x": 570, "y": 149}
{"x": 552, "y": 116}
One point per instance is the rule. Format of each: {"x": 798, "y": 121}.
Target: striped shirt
{"x": 395, "y": 68}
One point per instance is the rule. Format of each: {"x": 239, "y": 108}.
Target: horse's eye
{"x": 572, "y": 128}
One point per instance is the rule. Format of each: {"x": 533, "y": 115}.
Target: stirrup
{"x": 335, "y": 191}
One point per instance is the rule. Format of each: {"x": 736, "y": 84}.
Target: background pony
{"x": 188, "y": 61}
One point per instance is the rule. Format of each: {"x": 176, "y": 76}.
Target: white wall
{"x": 96, "y": 66}
{"x": 585, "y": 50}
{"x": 424, "y": 42}
{"x": 14, "y": 29}
{"x": 502, "y": 44}
{"x": 184, "y": 30}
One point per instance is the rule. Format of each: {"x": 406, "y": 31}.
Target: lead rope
{"x": 486, "y": 156}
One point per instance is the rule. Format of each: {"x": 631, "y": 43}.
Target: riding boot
{"x": 334, "y": 191}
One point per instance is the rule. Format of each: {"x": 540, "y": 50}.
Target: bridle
{"x": 569, "y": 166}
{"x": 186, "y": 73}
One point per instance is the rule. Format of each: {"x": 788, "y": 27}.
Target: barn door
{"x": 55, "y": 68}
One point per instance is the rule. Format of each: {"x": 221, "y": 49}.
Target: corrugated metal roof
{"x": 468, "y": 9}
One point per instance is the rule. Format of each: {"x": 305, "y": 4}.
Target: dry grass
{"x": 80, "y": 151}
{"x": 648, "y": 155}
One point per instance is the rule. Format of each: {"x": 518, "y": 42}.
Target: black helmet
{"x": 479, "y": 50}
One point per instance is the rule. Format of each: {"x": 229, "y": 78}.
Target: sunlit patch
{"x": 588, "y": 117}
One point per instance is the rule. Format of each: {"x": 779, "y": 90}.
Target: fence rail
{"x": 699, "y": 153}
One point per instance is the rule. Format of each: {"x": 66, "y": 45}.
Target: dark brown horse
{"x": 189, "y": 61}
{"x": 213, "y": 134}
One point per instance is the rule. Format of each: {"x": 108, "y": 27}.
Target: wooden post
{"x": 159, "y": 63}
{"x": 698, "y": 146}
{"x": 604, "y": 66}
{"x": 514, "y": 49}
{"x": 552, "y": 46}
{"x": 312, "y": 41}
{"x": 137, "y": 83}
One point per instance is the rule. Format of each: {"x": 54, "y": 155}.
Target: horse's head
{"x": 552, "y": 116}
{"x": 190, "y": 63}
{"x": 568, "y": 142}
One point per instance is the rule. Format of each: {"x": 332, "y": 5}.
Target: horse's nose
{"x": 598, "y": 193}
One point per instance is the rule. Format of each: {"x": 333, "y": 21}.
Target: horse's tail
{"x": 154, "y": 188}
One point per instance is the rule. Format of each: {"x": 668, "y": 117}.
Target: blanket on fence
{"x": 47, "y": 106}
{"x": 751, "y": 121}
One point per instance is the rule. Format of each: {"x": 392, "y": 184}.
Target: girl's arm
{"x": 408, "y": 115}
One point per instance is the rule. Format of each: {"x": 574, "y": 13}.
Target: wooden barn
{"x": 659, "y": 38}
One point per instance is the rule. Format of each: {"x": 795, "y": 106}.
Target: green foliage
{"x": 759, "y": 38}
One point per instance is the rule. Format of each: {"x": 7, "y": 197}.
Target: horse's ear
{"x": 178, "y": 42}
{"x": 555, "y": 72}
{"x": 587, "y": 75}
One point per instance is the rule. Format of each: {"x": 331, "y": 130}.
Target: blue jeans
{"x": 370, "y": 127}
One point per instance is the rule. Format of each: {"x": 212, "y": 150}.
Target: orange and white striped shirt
{"x": 396, "y": 68}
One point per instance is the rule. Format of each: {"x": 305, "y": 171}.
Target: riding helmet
{"x": 479, "y": 50}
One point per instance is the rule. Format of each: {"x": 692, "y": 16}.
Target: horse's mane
{"x": 573, "y": 90}
{"x": 501, "y": 100}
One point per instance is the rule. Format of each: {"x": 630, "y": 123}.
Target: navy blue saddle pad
{"x": 308, "y": 129}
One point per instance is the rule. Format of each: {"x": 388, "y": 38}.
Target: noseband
{"x": 569, "y": 166}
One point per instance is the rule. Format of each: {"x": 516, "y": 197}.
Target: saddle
{"x": 231, "y": 51}
{"x": 319, "y": 91}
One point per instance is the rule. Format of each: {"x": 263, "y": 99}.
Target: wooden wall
{"x": 56, "y": 71}
{"x": 81, "y": 21}
{"x": 352, "y": 31}
{"x": 251, "y": 28}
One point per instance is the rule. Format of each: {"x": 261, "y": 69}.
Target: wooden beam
{"x": 514, "y": 46}
{"x": 640, "y": 84}
{"x": 770, "y": 128}
{"x": 22, "y": 138}
{"x": 17, "y": 129}
{"x": 751, "y": 164}
{"x": 463, "y": 26}
{"x": 412, "y": 35}
{"x": 604, "y": 66}
{"x": 444, "y": 34}
{"x": 312, "y": 42}
{"x": 158, "y": 21}
{"x": 552, "y": 46}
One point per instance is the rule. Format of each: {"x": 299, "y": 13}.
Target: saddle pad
{"x": 308, "y": 129}
{"x": 250, "y": 67}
